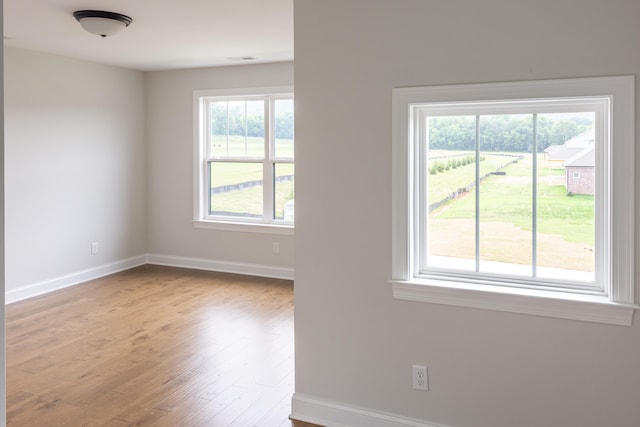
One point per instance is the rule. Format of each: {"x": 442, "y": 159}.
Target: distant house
{"x": 580, "y": 172}
{"x": 578, "y": 158}
{"x": 570, "y": 148}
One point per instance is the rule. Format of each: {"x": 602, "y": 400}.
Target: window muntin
{"x": 487, "y": 207}
{"x": 610, "y": 300}
{"x": 246, "y": 157}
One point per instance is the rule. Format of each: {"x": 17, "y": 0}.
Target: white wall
{"x": 75, "y": 166}
{"x": 170, "y": 170}
{"x": 354, "y": 343}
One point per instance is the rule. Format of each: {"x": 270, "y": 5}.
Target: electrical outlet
{"x": 94, "y": 248}
{"x": 420, "y": 378}
{"x": 276, "y": 247}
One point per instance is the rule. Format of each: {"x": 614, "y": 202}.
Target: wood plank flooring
{"x": 153, "y": 346}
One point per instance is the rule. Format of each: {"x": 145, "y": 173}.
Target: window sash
{"x": 268, "y": 160}
{"x": 420, "y": 112}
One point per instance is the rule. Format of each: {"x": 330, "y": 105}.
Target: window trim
{"x": 615, "y": 305}
{"x": 201, "y": 219}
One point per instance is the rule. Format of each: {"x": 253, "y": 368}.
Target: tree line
{"x": 503, "y": 132}
{"x": 232, "y": 121}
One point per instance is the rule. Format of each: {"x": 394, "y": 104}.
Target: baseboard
{"x": 222, "y": 266}
{"x": 61, "y": 282}
{"x": 332, "y": 414}
{"x": 46, "y": 286}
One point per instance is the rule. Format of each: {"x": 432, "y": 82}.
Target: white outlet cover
{"x": 420, "y": 378}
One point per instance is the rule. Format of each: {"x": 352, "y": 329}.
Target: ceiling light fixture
{"x": 102, "y": 23}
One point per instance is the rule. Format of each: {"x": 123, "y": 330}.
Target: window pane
{"x": 566, "y": 196}
{"x": 284, "y": 191}
{"x": 237, "y": 128}
{"x": 283, "y": 128}
{"x": 219, "y": 128}
{"x": 255, "y": 129}
{"x": 236, "y": 189}
{"x": 450, "y": 177}
{"x": 506, "y": 197}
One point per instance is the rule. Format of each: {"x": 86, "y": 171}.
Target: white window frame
{"x": 202, "y": 219}
{"x": 612, "y": 304}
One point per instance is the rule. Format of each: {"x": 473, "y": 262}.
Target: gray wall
{"x": 354, "y": 343}
{"x": 74, "y": 167}
{"x": 3, "y": 394}
{"x": 104, "y": 154}
{"x": 170, "y": 167}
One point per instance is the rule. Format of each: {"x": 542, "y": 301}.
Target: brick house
{"x": 578, "y": 158}
{"x": 580, "y": 172}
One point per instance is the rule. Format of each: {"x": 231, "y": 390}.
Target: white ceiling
{"x": 164, "y": 34}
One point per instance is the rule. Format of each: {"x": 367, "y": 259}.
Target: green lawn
{"x": 225, "y": 173}
{"x": 508, "y": 198}
{"x": 239, "y": 146}
{"x": 248, "y": 201}
{"x": 500, "y": 201}
{"x": 444, "y": 183}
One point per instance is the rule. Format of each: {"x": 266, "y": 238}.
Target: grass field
{"x": 240, "y": 146}
{"x": 565, "y": 224}
{"x": 444, "y": 183}
{"x": 249, "y": 201}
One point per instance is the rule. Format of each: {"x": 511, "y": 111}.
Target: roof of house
{"x": 585, "y": 138}
{"x": 571, "y": 147}
{"x": 585, "y": 158}
{"x": 550, "y": 149}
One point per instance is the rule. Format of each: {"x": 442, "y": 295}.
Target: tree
{"x": 219, "y": 122}
{"x": 512, "y": 133}
{"x": 255, "y": 126}
{"x": 284, "y": 125}
{"x": 563, "y": 131}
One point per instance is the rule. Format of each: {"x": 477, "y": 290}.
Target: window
{"x": 245, "y": 168}
{"x": 487, "y": 211}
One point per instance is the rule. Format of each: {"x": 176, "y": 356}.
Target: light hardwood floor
{"x": 153, "y": 346}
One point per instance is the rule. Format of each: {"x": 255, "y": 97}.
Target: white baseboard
{"x": 332, "y": 414}
{"x": 40, "y": 288}
{"x": 35, "y": 289}
{"x": 222, "y": 266}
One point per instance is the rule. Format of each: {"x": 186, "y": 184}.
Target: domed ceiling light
{"x": 102, "y": 23}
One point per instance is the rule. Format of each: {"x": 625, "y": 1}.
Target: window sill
{"x": 564, "y": 305}
{"x": 282, "y": 230}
